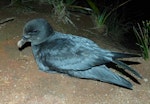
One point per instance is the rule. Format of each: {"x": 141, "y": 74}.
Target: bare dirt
{"x": 22, "y": 83}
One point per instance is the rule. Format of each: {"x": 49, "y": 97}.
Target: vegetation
{"x": 104, "y": 14}
{"x": 61, "y": 9}
{"x": 143, "y": 37}
{"x": 108, "y": 19}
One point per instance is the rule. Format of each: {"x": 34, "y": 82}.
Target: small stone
{"x": 145, "y": 80}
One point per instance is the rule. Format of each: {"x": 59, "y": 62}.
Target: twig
{"x": 6, "y": 20}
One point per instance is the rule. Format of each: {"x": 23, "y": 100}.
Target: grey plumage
{"x": 73, "y": 55}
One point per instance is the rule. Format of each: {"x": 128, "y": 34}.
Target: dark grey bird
{"x": 73, "y": 55}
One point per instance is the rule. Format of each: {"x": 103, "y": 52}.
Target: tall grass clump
{"x": 143, "y": 37}
{"x": 102, "y": 15}
{"x": 60, "y": 10}
{"x": 117, "y": 28}
{"x": 108, "y": 21}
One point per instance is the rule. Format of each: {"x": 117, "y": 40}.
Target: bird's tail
{"x": 123, "y": 65}
{"x": 123, "y": 55}
{"x": 126, "y": 67}
{"x": 102, "y": 73}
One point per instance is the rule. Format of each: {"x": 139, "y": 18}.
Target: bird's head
{"x": 35, "y": 31}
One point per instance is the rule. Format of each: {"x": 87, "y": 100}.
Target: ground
{"x": 22, "y": 83}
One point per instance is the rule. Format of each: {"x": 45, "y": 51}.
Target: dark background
{"x": 134, "y": 10}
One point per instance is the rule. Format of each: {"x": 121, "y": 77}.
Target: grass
{"x": 107, "y": 18}
{"x": 60, "y": 11}
{"x": 101, "y": 16}
{"x": 117, "y": 28}
{"x": 62, "y": 8}
{"x": 143, "y": 37}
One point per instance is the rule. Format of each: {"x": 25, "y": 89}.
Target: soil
{"x": 22, "y": 83}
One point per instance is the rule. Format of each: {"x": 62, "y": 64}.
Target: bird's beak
{"x": 22, "y": 41}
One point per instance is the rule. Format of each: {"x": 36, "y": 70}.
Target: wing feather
{"x": 67, "y": 54}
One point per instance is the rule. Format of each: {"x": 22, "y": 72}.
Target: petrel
{"x": 76, "y": 56}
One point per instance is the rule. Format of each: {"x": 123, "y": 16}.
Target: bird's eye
{"x": 32, "y": 32}
{"x": 35, "y": 31}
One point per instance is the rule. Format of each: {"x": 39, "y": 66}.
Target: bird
{"x": 72, "y": 55}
